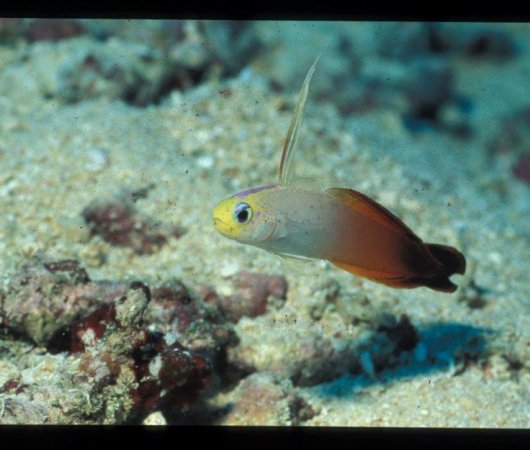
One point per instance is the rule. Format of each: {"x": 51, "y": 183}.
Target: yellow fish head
{"x": 234, "y": 219}
{"x": 241, "y": 217}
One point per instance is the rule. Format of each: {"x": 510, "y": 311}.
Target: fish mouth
{"x": 222, "y": 218}
{"x": 217, "y": 221}
{"x": 221, "y": 226}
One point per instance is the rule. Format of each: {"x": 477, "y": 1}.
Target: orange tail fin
{"x": 428, "y": 265}
{"x": 450, "y": 261}
{"x": 394, "y": 280}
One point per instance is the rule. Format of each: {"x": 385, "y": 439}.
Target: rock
{"x": 156, "y": 418}
{"x": 97, "y": 159}
{"x": 21, "y": 411}
{"x": 478, "y": 41}
{"x": 137, "y": 74}
{"x": 406, "y": 41}
{"x": 121, "y": 351}
{"x": 184, "y": 317}
{"x": 251, "y": 293}
{"x": 43, "y": 298}
{"x": 262, "y": 399}
{"x": 297, "y": 349}
{"x": 117, "y": 222}
{"x": 53, "y": 29}
{"x": 431, "y": 89}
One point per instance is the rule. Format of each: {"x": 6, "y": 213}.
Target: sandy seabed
{"x": 436, "y": 134}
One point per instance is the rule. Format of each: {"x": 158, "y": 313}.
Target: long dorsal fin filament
{"x": 286, "y": 175}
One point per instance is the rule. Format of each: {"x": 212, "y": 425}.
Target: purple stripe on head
{"x": 253, "y": 190}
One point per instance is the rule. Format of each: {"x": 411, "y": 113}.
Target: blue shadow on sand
{"x": 442, "y": 347}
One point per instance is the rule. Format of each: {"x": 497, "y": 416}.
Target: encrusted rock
{"x": 43, "y": 298}
{"x": 158, "y": 373}
{"x": 309, "y": 352}
{"x": 185, "y": 317}
{"x": 262, "y": 399}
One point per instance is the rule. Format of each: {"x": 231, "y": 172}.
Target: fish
{"x": 299, "y": 222}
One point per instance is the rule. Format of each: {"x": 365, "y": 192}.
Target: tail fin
{"x": 452, "y": 262}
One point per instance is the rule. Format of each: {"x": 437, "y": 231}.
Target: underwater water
{"x": 120, "y": 301}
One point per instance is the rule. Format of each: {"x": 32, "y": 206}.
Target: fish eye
{"x": 243, "y": 212}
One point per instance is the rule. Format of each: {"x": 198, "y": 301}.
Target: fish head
{"x": 244, "y": 217}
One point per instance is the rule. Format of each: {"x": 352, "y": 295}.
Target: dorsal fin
{"x": 286, "y": 174}
{"x": 364, "y": 204}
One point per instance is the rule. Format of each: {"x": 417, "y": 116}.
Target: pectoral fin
{"x": 296, "y": 263}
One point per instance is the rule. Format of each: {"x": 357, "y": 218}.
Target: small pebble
{"x": 229, "y": 268}
{"x": 155, "y": 418}
{"x": 205, "y": 162}
{"x": 495, "y": 258}
{"x": 246, "y": 75}
{"x": 97, "y": 159}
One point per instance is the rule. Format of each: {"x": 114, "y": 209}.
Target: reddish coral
{"x": 104, "y": 324}
{"x": 179, "y": 308}
{"x": 181, "y": 377}
{"x": 200, "y": 324}
{"x": 208, "y": 294}
{"x": 117, "y": 223}
{"x": 96, "y": 323}
{"x": 165, "y": 373}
